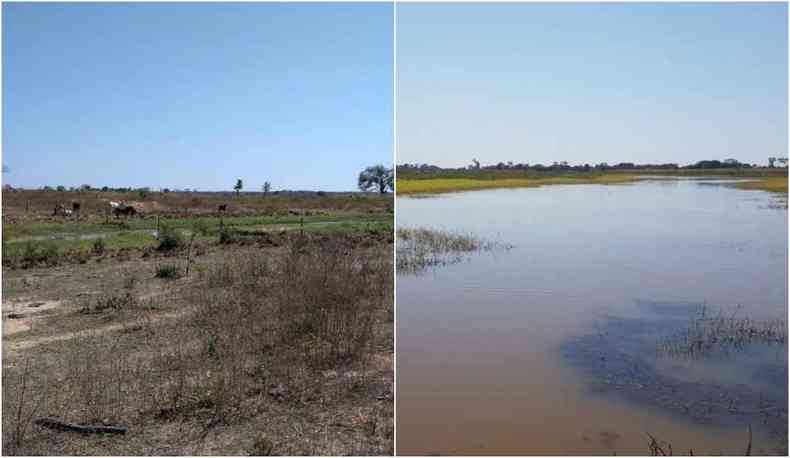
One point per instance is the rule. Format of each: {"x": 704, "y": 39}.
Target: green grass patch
{"x": 173, "y": 233}
{"x": 441, "y": 181}
{"x": 124, "y": 239}
{"x": 204, "y": 225}
{"x": 379, "y": 224}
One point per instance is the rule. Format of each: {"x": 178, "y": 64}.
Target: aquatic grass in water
{"x": 706, "y": 335}
{"x": 420, "y": 248}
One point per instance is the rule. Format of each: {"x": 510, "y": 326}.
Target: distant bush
{"x": 167, "y": 271}
{"x": 226, "y": 235}
{"x": 112, "y": 302}
{"x": 201, "y": 227}
{"x": 40, "y": 253}
{"x": 30, "y": 253}
{"x": 98, "y": 246}
{"x": 169, "y": 239}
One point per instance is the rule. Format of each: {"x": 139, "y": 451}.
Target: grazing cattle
{"x": 61, "y": 210}
{"x": 75, "y": 207}
{"x": 223, "y": 208}
{"x": 127, "y": 210}
{"x": 122, "y": 208}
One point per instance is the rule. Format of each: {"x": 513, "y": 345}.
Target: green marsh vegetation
{"x": 56, "y": 247}
{"x": 205, "y": 225}
{"x": 431, "y": 180}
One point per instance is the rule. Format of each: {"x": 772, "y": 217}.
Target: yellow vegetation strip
{"x": 442, "y": 185}
{"x": 771, "y": 184}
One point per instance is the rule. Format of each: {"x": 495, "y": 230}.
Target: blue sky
{"x": 589, "y": 83}
{"x": 196, "y": 95}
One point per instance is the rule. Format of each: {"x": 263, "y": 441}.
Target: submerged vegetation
{"x": 620, "y": 360}
{"x": 707, "y": 335}
{"x": 420, "y": 248}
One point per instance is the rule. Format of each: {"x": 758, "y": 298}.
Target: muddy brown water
{"x": 490, "y": 356}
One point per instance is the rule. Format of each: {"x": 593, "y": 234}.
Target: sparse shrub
{"x": 226, "y": 235}
{"x": 98, "y": 246}
{"x": 167, "y": 271}
{"x": 201, "y": 227}
{"x": 114, "y": 300}
{"x": 40, "y": 253}
{"x": 169, "y": 239}
{"x": 328, "y": 300}
{"x": 262, "y": 446}
{"x": 81, "y": 256}
{"x": 22, "y": 402}
{"x": 129, "y": 282}
{"x": 95, "y": 380}
{"x": 211, "y": 346}
{"x": 317, "y": 309}
{"x": 30, "y": 253}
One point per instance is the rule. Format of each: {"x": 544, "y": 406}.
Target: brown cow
{"x": 126, "y": 211}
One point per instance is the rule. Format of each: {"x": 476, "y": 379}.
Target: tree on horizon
{"x": 377, "y": 177}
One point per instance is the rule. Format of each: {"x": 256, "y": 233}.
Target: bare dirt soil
{"x": 262, "y": 348}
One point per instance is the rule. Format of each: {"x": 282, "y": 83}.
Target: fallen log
{"x": 84, "y": 429}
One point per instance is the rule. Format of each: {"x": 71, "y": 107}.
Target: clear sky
{"x": 196, "y": 95}
{"x": 589, "y": 83}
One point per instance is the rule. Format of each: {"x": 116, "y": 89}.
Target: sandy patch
{"x": 19, "y": 316}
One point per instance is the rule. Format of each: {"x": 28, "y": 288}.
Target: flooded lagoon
{"x": 552, "y": 347}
